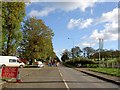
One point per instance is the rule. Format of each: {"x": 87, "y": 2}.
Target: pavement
{"x": 61, "y": 77}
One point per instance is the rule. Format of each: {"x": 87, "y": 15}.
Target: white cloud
{"x": 84, "y": 37}
{"x": 110, "y": 20}
{"x": 111, "y": 16}
{"x": 88, "y": 44}
{"x": 110, "y": 31}
{"x": 73, "y": 23}
{"x": 64, "y": 6}
{"x": 72, "y": 5}
{"x": 108, "y": 17}
{"x": 96, "y": 35}
{"x": 73, "y": 0}
{"x": 41, "y": 13}
{"x": 79, "y": 23}
{"x": 86, "y": 23}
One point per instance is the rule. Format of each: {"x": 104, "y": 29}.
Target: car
{"x": 10, "y": 61}
{"x": 79, "y": 65}
{"x": 39, "y": 64}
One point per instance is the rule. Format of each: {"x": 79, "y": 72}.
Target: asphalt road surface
{"x": 59, "y": 78}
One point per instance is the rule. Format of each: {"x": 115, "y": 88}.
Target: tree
{"x": 76, "y": 52}
{"x": 65, "y": 55}
{"x": 12, "y": 16}
{"x": 88, "y": 51}
{"x": 0, "y": 29}
{"x": 56, "y": 58}
{"x": 36, "y": 43}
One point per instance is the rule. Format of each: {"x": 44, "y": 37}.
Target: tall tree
{"x": 37, "y": 43}
{"x": 0, "y": 29}
{"x": 12, "y": 16}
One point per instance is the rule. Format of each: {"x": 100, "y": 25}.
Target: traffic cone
{"x": 18, "y": 78}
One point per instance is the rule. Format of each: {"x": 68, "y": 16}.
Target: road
{"x": 59, "y": 78}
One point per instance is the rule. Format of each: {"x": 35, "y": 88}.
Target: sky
{"x": 79, "y": 23}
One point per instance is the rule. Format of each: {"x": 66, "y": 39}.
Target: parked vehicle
{"x": 39, "y": 64}
{"x": 25, "y": 61}
{"x": 11, "y": 61}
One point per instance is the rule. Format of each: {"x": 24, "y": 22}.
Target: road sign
{"x": 9, "y": 72}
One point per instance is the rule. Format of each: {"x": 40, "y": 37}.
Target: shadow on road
{"x": 58, "y": 82}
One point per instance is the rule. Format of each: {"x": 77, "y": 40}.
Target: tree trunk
{"x": 8, "y": 44}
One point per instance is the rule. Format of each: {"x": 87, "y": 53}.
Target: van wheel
{"x": 21, "y": 66}
{"x": 3, "y": 65}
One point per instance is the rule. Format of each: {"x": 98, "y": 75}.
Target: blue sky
{"x": 82, "y": 22}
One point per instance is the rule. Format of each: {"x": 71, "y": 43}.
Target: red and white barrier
{"x": 10, "y": 73}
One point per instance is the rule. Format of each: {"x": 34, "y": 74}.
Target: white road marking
{"x": 66, "y": 85}
{"x": 61, "y": 75}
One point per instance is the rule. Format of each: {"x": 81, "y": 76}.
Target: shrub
{"x": 82, "y": 61}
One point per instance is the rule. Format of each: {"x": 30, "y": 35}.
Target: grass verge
{"x": 108, "y": 71}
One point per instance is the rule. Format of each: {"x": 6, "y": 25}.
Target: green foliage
{"x": 80, "y": 60}
{"x": 118, "y": 60}
{"x": 106, "y": 55}
{"x": 88, "y": 51}
{"x": 12, "y": 16}
{"x": 37, "y": 40}
{"x": 0, "y": 28}
{"x": 76, "y": 51}
{"x": 64, "y": 56}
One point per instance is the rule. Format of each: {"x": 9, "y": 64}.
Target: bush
{"x": 83, "y": 61}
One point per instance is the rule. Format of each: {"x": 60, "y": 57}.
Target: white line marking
{"x": 66, "y": 85}
{"x": 61, "y": 74}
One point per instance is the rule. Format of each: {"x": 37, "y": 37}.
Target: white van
{"x": 10, "y": 61}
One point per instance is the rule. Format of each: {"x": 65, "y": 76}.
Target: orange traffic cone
{"x": 18, "y": 78}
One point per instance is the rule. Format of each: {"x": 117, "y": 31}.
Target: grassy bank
{"x": 109, "y": 71}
